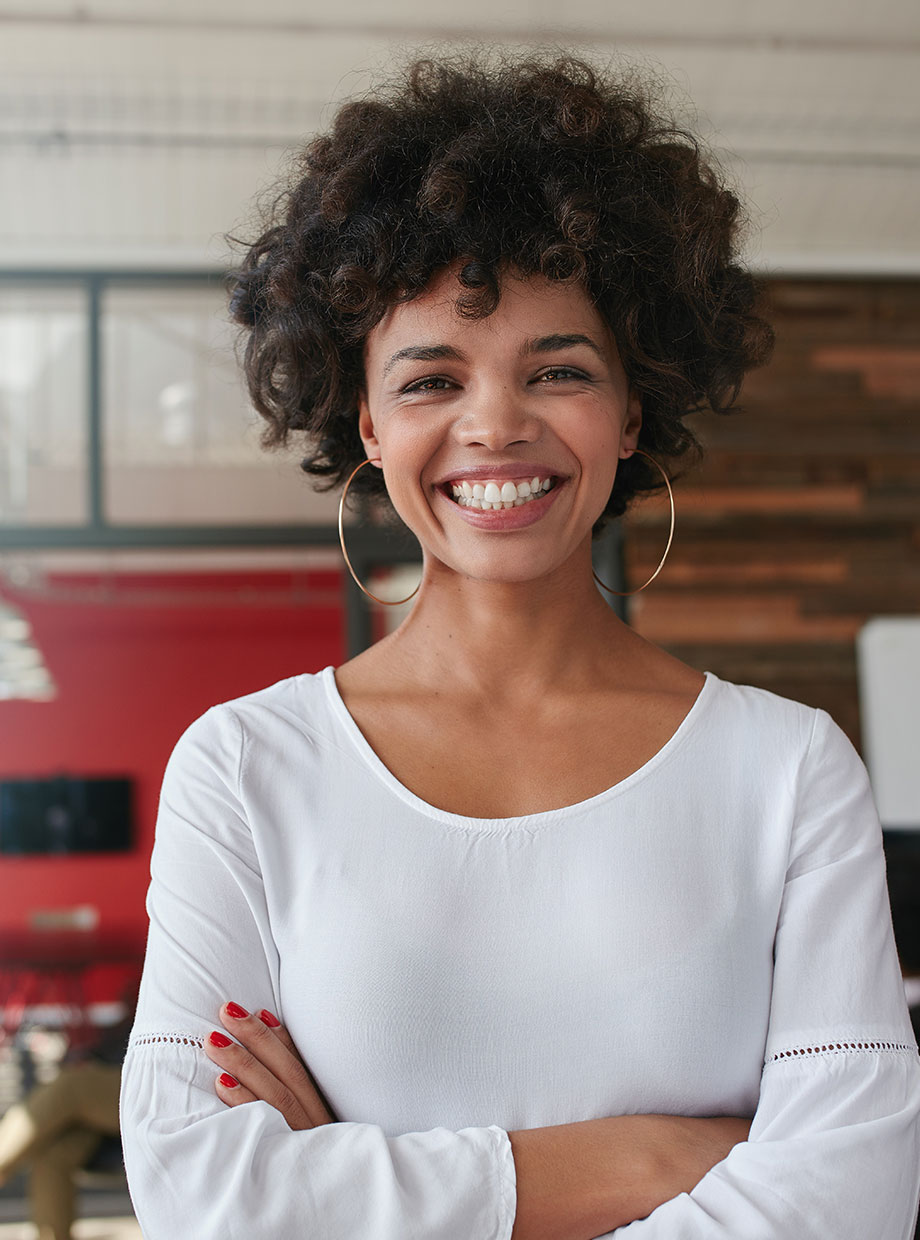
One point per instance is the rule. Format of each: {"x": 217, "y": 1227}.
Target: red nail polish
{"x": 219, "y": 1039}
{"x": 234, "y": 1009}
{"x": 267, "y": 1019}
{"x": 228, "y": 1081}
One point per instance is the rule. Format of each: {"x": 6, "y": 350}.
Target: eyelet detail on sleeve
{"x": 177, "y": 1039}
{"x": 838, "y": 1048}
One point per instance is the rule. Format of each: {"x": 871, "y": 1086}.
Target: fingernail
{"x": 219, "y": 1039}
{"x": 228, "y": 1081}
{"x": 267, "y": 1019}
{"x": 234, "y": 1009}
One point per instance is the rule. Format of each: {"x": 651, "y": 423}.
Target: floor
{"x": 103, "y": 1215}
{"x": 84, "y": 1229}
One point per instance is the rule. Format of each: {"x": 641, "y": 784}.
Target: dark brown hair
{"x": 541, "y": 165}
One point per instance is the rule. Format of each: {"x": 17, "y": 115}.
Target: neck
{"x": 506, "y": 640}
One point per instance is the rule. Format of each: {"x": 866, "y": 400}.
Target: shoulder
{"x": 775, "y": 724}
{"x": 761, "y": 716}
{"x": 824, "y": 778}
{"x": 797, "y": 746}
{"x": 296, "y": 698}
{"x": 218, "y": 739}
{"x": 229, "y": 763}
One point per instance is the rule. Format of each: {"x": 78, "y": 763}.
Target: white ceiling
{"x": 823, "y": 20}
{"x": 137, "y": 131}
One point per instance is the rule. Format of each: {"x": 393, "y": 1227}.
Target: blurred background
{"x": 154, "y": 561}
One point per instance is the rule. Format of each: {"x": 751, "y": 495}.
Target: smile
{"x": 497, "y": 494}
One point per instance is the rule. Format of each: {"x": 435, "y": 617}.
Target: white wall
{"x": 136, "y": 132}
{"x": 889, "y": 686}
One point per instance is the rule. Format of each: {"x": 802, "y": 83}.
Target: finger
{"x": 230, "y": 1091}
{"x": 253, "y": 1075}
{"x": 273, "y": 1047}
{"x": 271, "y": 1021}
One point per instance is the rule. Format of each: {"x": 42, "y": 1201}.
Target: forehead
{"x": 530, "y": 307}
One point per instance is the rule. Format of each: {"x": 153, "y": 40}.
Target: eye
{"x": 431, "y": 383}
{"x": 556, "y": 373}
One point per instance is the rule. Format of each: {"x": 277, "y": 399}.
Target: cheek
{"x": 404, "y": 461}
{"x": 596, "y": 437}
{"x": 407, "y": 449}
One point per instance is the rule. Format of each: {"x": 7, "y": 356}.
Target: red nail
{"x": 228, "y": 1081}
{"x": 234, "y": 1009}
{"x": 219, "y": 1039}
{"x": 267, "y": 1019}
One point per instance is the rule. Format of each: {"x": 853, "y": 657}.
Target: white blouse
{"x": 709, "y": 936}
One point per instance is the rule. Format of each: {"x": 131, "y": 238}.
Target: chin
{"x": 506, "y": 574}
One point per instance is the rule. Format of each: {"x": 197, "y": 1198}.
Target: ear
{"x": 366, "y": 429}
{"x": 629, "y": 436}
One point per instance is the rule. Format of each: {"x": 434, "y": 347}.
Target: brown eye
{"x": 434, "y": 383}
{"x": 560, "y": 372}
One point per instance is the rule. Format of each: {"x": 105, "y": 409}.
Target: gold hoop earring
{"x": 638, "y": 589}
{"x": 383, "y": 601}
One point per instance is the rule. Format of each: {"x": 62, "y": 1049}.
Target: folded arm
{"x": 198, "y": 1167}
{"x": 834, "y": 1147}
{"x": 565, "y": 1189}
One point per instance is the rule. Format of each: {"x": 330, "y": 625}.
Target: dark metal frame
{"x": 369, "y": 546}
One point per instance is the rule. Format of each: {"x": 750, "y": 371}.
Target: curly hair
{"x": 540, "y": 166}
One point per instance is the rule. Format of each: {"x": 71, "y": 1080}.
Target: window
{"x": 43, "y": 409}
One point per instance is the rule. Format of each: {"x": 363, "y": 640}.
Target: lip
{"x": 501, "y": 519}
{"x": 514, "y": 469}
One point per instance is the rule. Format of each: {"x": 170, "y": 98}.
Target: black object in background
{"x": 65, "y": 815}
{"x": 902, "y": 856}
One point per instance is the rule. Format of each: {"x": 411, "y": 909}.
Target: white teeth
{"x": 493, "y": 495}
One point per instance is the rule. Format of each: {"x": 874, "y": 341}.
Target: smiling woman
{"x": 515, "y": 405}
{"x": 540, "y": 166}
{"x": 517, "y": 927}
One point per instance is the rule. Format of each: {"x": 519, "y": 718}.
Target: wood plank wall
{"x": 804, "y": 518}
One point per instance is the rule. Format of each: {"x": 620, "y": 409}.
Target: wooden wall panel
{"x": 803, "y": 519}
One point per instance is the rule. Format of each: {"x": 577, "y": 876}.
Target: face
{"x": 499, "y": 437}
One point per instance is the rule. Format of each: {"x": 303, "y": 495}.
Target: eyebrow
{"x": 551, "y": 344}
{"x": 540, "y": 344}
{"x": 423, "y": 353}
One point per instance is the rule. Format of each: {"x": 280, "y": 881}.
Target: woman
{"x": 571, "y": 937}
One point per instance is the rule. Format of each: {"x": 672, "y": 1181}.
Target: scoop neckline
{"x": 543, "y": 817}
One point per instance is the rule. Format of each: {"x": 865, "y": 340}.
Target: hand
{"x": 264, "y": 1064}
{"x": 684, "y": 1149}
{"x": 687, "y": 1148}
{"x": 594, "y": 1176}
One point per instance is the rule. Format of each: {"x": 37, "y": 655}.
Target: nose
{"x": 496, "y": 417}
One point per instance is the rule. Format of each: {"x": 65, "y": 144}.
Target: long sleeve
{"x": 197, "y": 1168}
{"x": 834, "y": 1148}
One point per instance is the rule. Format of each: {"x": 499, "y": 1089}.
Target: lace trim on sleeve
{"x": 838, "y": 1048}
{"x": 177, "y": 1039}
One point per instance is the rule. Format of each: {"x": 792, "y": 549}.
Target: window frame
{"x": 369, "y": 545}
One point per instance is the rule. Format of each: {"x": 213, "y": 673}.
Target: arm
{"x": 197, "y": 1167}
{"x": 834, "y": 1148}
{"x": 565, "y": 1190}
{"x": 575, "y": 1181}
